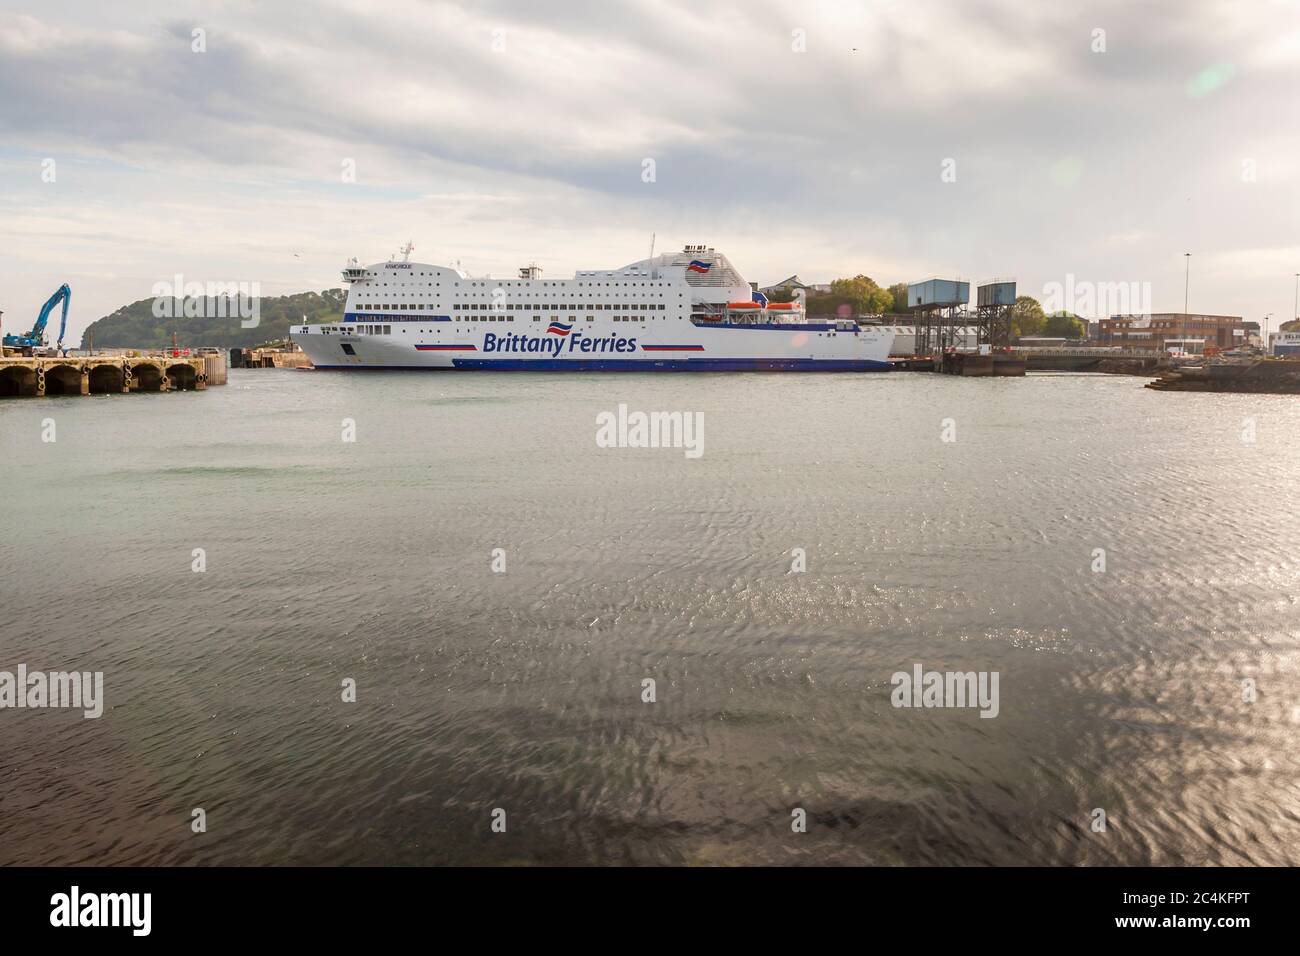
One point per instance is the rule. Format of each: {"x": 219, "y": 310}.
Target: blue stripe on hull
{"x": 635, "y": 365}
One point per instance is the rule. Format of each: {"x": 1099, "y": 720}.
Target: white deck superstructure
{"x": 688, "y": 311}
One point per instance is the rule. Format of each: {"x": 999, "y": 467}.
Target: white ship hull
{"x": 673, "y": 313}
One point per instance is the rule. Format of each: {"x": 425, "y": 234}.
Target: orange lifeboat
{"x": 782, "y": 306}
{"x": 743, "y": 305}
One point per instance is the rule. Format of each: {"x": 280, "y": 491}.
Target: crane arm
{"x": 62, "y": 294}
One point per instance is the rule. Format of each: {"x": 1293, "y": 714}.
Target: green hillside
{"x": 211, "y": 322}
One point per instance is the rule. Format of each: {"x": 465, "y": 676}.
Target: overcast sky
{"x": 798, "y": 137}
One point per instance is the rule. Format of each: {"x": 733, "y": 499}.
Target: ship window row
{"x": 487, "y": 307}
{"x": 485, "y": 318}
{"x": 559, "y": 282}
{"x": 567, "y": 307}
{"x": 592, "y": 318}
{"x": 503, "y": 292}
{"x": 528, "y": 285}
{"x": 353, "y": 329}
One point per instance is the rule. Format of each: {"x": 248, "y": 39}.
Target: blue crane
{"x": 35, "y": 339}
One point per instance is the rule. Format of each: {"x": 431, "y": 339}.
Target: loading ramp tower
{"x": 993, "y": 302}
{"x": 937, "y": 306}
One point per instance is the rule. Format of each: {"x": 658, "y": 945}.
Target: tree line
{"x": 137, "y": 326}
{"x": 862, "y": 295}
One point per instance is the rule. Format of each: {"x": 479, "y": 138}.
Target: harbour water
{"x": 1124, "y": 689}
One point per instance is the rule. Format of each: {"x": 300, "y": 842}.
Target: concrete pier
{"x": 82, "y": 375}
{"x": 971, "y": 364}
{"x": 1267, "y": 376}
{"x": 1017, "y": 360}
{"x": 269, "y": 358}
{"x": 1084, "y": 359}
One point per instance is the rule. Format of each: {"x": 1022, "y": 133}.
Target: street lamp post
{"x": 1187, "y": 284}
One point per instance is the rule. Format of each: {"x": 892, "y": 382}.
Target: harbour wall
{"x": 41, "y": 376}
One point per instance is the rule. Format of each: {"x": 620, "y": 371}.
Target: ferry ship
{"x": 689, "y": 311}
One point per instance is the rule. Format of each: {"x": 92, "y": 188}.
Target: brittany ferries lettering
{"x": 511, "y": 342}
{"x": 689, "y": 311}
